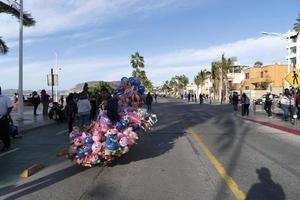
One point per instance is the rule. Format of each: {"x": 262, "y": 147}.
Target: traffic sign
{"x": 293, "y": 77}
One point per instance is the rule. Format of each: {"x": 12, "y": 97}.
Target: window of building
{"x": 294, "y": 39}
{"x": 293, "y": 50}
{"x": 293, "y": 62}
{"x": 261, "y": 74}
{"x": 247, "y": 87}
{"x": 247, "y": 75}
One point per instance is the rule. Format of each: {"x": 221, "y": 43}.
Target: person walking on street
{"x": 189, "y": 97}
{"x": 235, "y": 101}
{"x": 45, "y": 102}
{"x": 245, "y": 101}
{"x": 62, "y": 100}
{"x": 70, "y": 111}
{"x": 35, "y": 100}
{"x": 155, "y": 97}
{"x": 84, "y": 109}
{"x": 149, "y": 100}
{"x": 285, "y": 103}
{"x": 268, "y": 104}
{"x": 201, "y": 98}
{"x": 6, "y": 107}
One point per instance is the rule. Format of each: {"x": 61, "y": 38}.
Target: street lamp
{"x": 57, "y": 70}
{"x": 284, "y": 36}
{"x": 20, "y": 89}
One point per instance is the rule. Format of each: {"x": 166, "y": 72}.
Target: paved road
{"x": 195, "y": 152}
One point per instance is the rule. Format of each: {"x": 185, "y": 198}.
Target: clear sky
{"x": 95, "y": 38}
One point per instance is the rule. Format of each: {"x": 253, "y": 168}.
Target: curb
{"x": 279, "y": 127}
{"x": 32, "y": 170}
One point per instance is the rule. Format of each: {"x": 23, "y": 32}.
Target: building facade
{"x": 268, "y": 78}
{"x": 293, "y": 49}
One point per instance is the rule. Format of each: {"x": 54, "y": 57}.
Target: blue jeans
{"x": 285, "y": 109}
{"x": 84, "y": 120}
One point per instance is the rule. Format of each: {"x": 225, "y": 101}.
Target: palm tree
{"x": 297, "y": 25}
{"x": 225, "y": 65}
{"x": 12, "y": 10}
{"x": 215, "y": 77}
{"x": 182, "y": 81}
{"x": 137, "y": 63}
{"x": 200, "y": 79}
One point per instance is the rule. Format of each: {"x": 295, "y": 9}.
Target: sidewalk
{"x": 276, "y": 121}
{"x": 30, "y": 121}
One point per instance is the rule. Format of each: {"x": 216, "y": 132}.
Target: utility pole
{"x": 20, "y": 89}
{"x": 52, "y": 82}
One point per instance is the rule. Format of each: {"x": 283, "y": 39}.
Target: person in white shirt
{"x": 6, "y": 107}
{"x": 84, "y": 109}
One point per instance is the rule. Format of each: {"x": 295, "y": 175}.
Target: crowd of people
{"x": 191, "y": 97}
{"x": 288, "y": 102}
{"x": 82, "y": 107}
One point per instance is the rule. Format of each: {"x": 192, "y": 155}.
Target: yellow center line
{"x": 239, "y": 194}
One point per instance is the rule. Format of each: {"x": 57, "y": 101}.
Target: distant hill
{"x": 79, "y": 87}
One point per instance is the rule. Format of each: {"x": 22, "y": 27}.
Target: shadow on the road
{"x": 266, "y": 188}
{"x": 40, "y": 183}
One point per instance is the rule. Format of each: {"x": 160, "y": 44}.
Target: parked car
{"x": 261, "y": 100}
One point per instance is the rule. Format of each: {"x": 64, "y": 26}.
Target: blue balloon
{"x": 141, "y": 89}
{"x": 118, "y": 91}
{"x": 111, "y": 145}
{"x": 124, "y": 124}
{"x": 119, "y": 126}
{"x": 124, "y": 80}
{"x": 137, "y": 83}
{"x": 87, "y": 149}
{"x": 131, "y": 81}
{"x": 88, "y": 140}
{"x": 79, "y": 154}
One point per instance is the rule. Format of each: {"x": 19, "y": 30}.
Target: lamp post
{"x": 284, "y": 36}
{"x": 19, "y": 6}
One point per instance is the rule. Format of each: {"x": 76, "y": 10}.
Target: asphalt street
{"x": 194, "y": 152}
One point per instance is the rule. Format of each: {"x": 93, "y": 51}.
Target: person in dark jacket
{"x": 35, "y": 102}
{"x": 235, "y": 101}
{"x": 112, "y": 104}
{"x": 149, "y": 100}
{"x": 45, "y": 101}
{"x": 70, "y": 111}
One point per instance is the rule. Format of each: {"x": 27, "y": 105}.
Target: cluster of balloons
{"x": 104, "y": 140}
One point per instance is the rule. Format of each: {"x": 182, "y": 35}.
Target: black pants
{"x": 268, "y": 109}
{"x": 245, "y": 109}
{"x": 70, "y": 124}
{"x": 35, "y": 106}
{"x": 149, "y": 108}
{"x": 4, "y": 131}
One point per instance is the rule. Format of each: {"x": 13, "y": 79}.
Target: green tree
{"x": 182, "y": 82}
{"x": 226, "y": 65}
{"x": 297, "y": 24}
{"x": 137, "y": 63}
{"x": 258, "y": 64}
{"x": 145, "y": 81}
{"x": 100, "y": 85}
{"x": 215, "y": 78}
{"x": 11, "y": 10}
{"x": 199, "y": 80}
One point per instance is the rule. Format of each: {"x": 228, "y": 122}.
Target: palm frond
{"x": 8, "y": 9}
{"x": 3, "y": 47}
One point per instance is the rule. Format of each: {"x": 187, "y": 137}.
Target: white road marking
{"x": 61, "y": 132}
{"x": 10, "y": 151}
